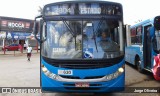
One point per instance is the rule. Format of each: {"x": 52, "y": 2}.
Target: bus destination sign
{"x": 82, "y": 9}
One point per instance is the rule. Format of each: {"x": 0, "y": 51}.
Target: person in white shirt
{"x": 29, "y": 51}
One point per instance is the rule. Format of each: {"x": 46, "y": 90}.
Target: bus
{"x": 73, "y": 56}
{"x": 143, "y": 46}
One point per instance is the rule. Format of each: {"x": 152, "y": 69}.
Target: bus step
{"x": 148, "y": 69}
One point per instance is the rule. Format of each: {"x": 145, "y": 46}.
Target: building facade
{"x": 14, "y": 30}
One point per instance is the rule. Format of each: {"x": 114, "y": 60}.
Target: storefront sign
{"x": 16, "y": 25}
{"x": 19, "y": 35}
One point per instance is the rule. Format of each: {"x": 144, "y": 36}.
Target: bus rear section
{"x": 143, "y": 46}
{"x": 83, "y": 50}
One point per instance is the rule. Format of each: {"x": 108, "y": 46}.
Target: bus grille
{"x": 70, "y": 77}
{"x": 83, "y": 64}
{"x": 74, "y": 77}
{"x": 93, "y": 77}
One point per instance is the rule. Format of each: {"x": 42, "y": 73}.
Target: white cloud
{"x": 135, "y": 10}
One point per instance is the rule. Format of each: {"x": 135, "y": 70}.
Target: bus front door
{"x": 147, "y": 47}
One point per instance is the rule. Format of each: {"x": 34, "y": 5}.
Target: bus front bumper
{"x": 50, "y": 85}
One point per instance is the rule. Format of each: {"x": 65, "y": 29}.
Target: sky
{"x": 134, "y": 10}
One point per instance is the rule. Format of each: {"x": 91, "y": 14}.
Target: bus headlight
{"x": 114, "y": 75}
{"x": 120, "y": 70}
{"x": 48, "y": 73}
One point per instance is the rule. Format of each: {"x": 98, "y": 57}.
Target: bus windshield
{"x": 82, "y": 39}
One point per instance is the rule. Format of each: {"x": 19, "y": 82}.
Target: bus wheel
{"x": 138, "y": 64}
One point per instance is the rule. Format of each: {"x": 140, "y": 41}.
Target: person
{"x": 29, "y": 51}
{"x": 105, "y": 36}
{"x": 107, "y": 44}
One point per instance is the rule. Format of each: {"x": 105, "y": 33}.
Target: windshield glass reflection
{"x": 82, "y": 39}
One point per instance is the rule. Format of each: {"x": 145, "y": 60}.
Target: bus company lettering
{"x": 90, "y": 10}
{"x": 15, "y": 25}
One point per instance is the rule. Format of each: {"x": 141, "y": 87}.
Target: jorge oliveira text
{"x": 146, "y": 90}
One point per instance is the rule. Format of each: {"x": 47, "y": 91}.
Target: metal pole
{"x": 121, "y": 36}
{"x": 4, "y": 49}
{"x": 128, "y": 33}
{"x": 37, "y": 46}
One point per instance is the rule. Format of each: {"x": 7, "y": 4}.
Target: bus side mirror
{"x": 36, "y": 28}
{"x": 151, "y": 31}
{"x": 43, "y": 31}
{"x": 157, "y": 23}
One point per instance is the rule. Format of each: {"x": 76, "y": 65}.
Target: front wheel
{"x": 138, "y": 64}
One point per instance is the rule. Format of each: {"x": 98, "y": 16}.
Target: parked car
{"x": 12, "y": 47}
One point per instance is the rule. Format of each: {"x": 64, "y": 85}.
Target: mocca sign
{"x": 16, "y": 25}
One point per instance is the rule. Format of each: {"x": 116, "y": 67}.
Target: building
{"x": 14, "y": 30}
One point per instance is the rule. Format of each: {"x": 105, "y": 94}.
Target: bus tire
{"x": 138, "y": 65}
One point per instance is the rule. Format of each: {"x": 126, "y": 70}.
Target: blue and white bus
{"x": 73, "y": 57}
{"x": 143, "y": 46}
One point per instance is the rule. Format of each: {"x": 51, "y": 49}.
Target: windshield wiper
{"x": 95, "y": 32}
{"x": 70, "y": 30}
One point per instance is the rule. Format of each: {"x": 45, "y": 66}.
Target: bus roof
{"x": 73, "y": 1}
{"x": 144, "y": 22}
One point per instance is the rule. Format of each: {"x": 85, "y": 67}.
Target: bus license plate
{"x": 81, "y": 84}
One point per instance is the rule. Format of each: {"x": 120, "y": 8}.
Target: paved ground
{"x": 17, "y": 71}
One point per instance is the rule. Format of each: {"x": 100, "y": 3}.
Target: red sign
{"x": 27, "y": 25}
{"x": 4, "y": 23}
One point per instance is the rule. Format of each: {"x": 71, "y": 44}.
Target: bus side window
{"x": 133, "y": 35}
{"x": 139, "y": 35}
